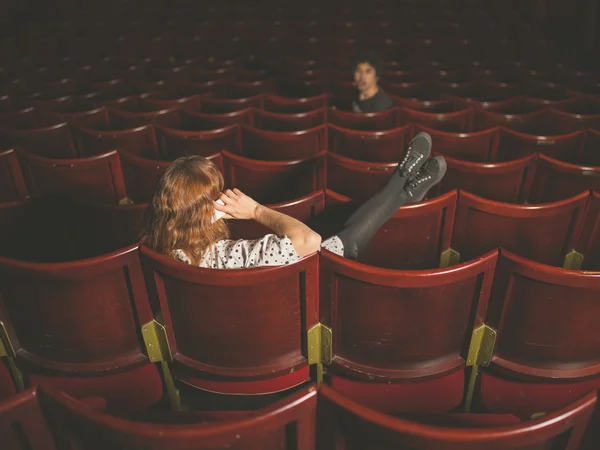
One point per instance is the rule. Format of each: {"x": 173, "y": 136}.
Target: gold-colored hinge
{"x": 126, "y": 201}
{"x": 319, "y": 345}
{"x": 573, "y": 260}
{"x": 157, "y": 344}
{"x": 482, "y": 346}
{"x": 449, "y": 257}
{"x": 6, "y": 347}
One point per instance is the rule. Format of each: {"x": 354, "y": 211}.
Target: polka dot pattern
{"x": 271, "y": 250}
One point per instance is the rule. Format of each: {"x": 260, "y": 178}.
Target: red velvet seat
{"x": 349, "y": 425}
{"x": 556, "y": 180}
{"x": 76, "y": 326}
{"x": 544, "y": 233}
{"x": 379, "y": 146}
{"x": 275, "y": 181}
{"x": 140, "y": 141}
{"x": 567, "y": 122}
{"x": 23, "y": 425}
{"x": 95, "y": 118}
{"x": 385, "y": 347}
{"x": 284, "y": 105}
{"x": 220, "y": 340}
{"x": 141, "y": 175}
{"x": 193, "y": 120}
{"x": 565, "y": 147}
{"x": 456, "y": 122}
{"x": 478, "y": 146}
{"x": 376, "y": 121}
{"x": 121, "y": 119}
{"x": 265, "y": 120}
{"x": 283, "y": 145}
{"x": 303, "y": 209}
{"x": 175, "y": 143}
{"x": 526, "y": 298}
{"x": 504, "y": 182}
{"x": 225, "y": 105}
{"x": 96, "y": 178}
{"x": 53, "y": 141}
{"x": 413, "y": 238}
{"x": 12, "y": 183}
{"x": 358, "y": 180}
{"x": 285, "y": 425}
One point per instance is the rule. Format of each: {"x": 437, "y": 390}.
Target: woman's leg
{"x": 369, "y": 217}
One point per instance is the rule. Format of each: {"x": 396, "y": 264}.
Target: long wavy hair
{"x": 181, "y": 212}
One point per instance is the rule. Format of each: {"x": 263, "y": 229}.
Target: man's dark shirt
{"x": 379, "y": 102}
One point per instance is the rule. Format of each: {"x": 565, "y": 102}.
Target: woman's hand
{"x": 237, "y": 205}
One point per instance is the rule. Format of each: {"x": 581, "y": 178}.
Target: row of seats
{"x": 113, "y": 176}
{"x": 259, "y": 331}
{"x": 48, "y": 418}
{"x": 168, "y": 141}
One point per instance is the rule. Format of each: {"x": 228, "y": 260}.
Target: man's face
{"x": 365, "y": 77}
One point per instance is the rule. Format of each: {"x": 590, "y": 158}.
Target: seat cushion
{"x": 123, "y": 392}
{"x": 432, "y": 396}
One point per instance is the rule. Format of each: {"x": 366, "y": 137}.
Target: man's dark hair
{"x": 370, "y": 57}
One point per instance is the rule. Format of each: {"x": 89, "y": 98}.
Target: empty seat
{"x": 230, "y": 346}
{"x": 350, "y": 425}
{"x": 141, "y": 175}
{"x": 383, "y": 120}
{"x": 456, "y": 122}
{"x": 23, "y": 425}
{"x": 95, "y": 118}
{"x": 387, "y": 352}
{"x": 225, "y": 105}
{"x": 175, "y": 143}
{"x": 504, "y": 181}
{"x": 528, "y": 122}
{"x": 565, "y": 147}
{"x": 53, "y": 141}
{"x": 590, "y": 154}
{"x": 265, "y": 120}
{"x": 140, "y": 141}
{"x": 76, "y": 327}
{"x": 121, "y": 119}
{"x": 544, "y": 233}
{"x": 12, "y": 183}
{"x": 567, "y": 122}
{"x": 381, "y": 146}
{"x": 284, "y": 105}
{"x": 164, "y": 100}
{"x": 288, "y": 424}
{"x": 557, "y": 180}
{"x": 303, "y": 209}
{"x": 355, "y": 179}
{"x": 283, "y": 145}
{"x": 193, "y": 120}
{"x": 415, "y": 237}
{"x": 96, "y": 178}
{"x": 275, "y": 181}
{"x": 535, "y": 367}
{"x": 26, "y": 118}
{"x": 477, "y": 146}
{"x": 588, "y": 243}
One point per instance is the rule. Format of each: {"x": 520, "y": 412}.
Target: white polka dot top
{"x": 270, "y": 250}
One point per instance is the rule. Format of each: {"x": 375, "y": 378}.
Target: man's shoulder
{"x": 384, "y": 99}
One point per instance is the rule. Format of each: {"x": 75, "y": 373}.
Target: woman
{"x": 180, "y": 220}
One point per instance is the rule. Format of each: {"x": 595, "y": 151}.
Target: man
{"x": 371, "y": 98}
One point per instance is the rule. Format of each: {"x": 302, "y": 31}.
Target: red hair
{"x": 180, "y": 215}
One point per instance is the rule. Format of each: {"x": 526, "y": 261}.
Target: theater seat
{"x": 536, "y": 367}
{"x": 348, "y": 424}
{"x": 77, "y": 325}
{"x": 386, "y": 348}
{"x": 377, "y": 146}
{"x": 12, "y": 183}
